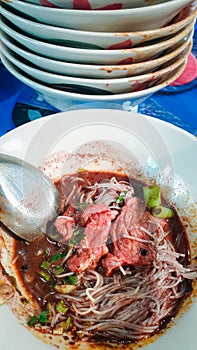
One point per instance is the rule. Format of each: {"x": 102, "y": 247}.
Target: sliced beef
{"x": 86, "y": 258}
{"x": 97, "y": 218}
{"x": 91, "y": 209}
{"x": 65, "y": 225}
{"x": 131, "y": 245}
{"x": 111, "y": 263}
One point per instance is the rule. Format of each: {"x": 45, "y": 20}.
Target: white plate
{"x": 71, "y": 54}
{"x": 147, "y": 138}
{"x": 97, "y": 71}
{"x": 152, "y": 17}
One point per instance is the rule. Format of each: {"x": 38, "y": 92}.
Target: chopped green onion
{"x": 33, "y": 321}
{"x": 49, "y": 307}
{"x": 58, "y": 270}
{"x": 152, "y": 196}
{"x": 45, "y": 265}
{"x": 162, "y": 212}
{"x": 70, "y": 246}
{"x": 47, "y": 252}
{"x": 58, "y": 330}
{"x": 80, "y": 170}
{"x": 45, "y": 275}
{"x": 68, "y": 323}
{"x": 61, "y": 307}
{"x": 64, "y": 288}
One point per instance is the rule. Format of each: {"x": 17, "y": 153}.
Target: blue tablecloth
{"x": 175, "y": 105}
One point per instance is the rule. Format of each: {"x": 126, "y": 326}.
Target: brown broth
{"x": 31, "y": 256}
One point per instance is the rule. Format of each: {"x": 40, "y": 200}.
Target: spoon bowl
{"x": 28, "y": 198}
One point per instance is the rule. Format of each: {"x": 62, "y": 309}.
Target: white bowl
{"x": 97, "y": 86}
{"x": 101, "y": 40}
{"x": 70, "y": 54}
{"x": 147, "y": 138}
{"x": 93, "y": 40}
{"x": 95, "y": 4}
{"x": 63, "y": 100}
{"x": 151, "y": 17}
{"x": 96, "y": 71}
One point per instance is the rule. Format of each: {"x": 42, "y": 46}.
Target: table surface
{"x": 176, "y": 105}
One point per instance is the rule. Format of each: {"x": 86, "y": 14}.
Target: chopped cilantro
{"x": 81, "y": 206}
{"x": 78, "y": 236}
{"x": 33, "y": 321}
{"x": 56, "y": 257}
{"x": 72, "y": 279}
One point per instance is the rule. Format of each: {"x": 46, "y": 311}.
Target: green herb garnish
{"x": 61, "y": 307}
{"x": 33, "y": 321}
{"x": 78, "y": 236}
{"x": 57, "y": 270}
{"x": 45, "y": 275}
{"x": 66, "y": 325}
{"x": 43, "y": 317}
{"x": 81, "y": 206}
{"x": 45, "y": 265}
{"x": 80, "y": 170}
{"x": 47, "y": 253}
{"x": 56, "y": 257}
{"x": 71, "y": 279}
{"x": 152, "y": 196}
{"x": 162, "y": 212}
{"x": 121, "y": 197}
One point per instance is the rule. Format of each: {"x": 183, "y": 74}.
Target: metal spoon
{"x": 28, "y": 198}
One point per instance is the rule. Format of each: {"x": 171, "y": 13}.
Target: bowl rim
{"x": 158, "y": 7}
{"x": 85, "y": 97}
{"x": 159, "y": 60}
{"x": 105, "y": 53}
{"x": 112, "y": 81}
{"x": 164, "y": 30}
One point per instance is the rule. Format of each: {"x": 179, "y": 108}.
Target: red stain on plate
{"x": 189, "y": 73}
{"x": 81, "y": 5}
{"x": 85, "y": 5}
{"x": 123, "y": 45}
{"x": 128, "y": 60}
{"x": 117, "y": 6}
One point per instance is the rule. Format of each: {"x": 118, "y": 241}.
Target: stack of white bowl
{"x": 75, "y": 51}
